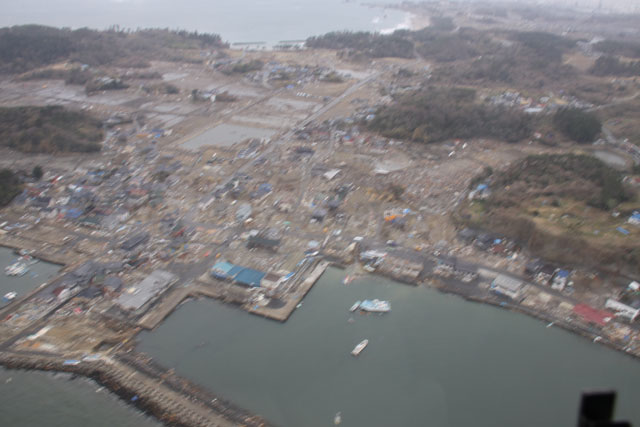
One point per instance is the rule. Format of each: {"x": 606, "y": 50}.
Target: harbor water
{"x": 434, "y": 360}
{"x": 38, "y": 273}
{"x": 45, "y": 399}
{"x": 55, "y": 400}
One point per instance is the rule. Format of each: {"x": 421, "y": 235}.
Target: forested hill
{"x": 51, "y": 129}
{"x": 23, "y": 48}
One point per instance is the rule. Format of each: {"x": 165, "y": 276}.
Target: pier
{"x": 136, "y": 379}
{"x": 18, "y": 244}
{"x": 228, "y": 292}
{"x": 283, "y": 313}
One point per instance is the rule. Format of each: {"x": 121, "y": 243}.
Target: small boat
{"x": 337, "y": 419}
{"x": 16, "y": 269}
{"x": 369, "y": 268}
{"x": 347, "y": 280}
{"x": 375, "y": 306}
{"x": 9, "y": 296}
{"x": 358, "y": 349}
{"x": 355, "y": 306}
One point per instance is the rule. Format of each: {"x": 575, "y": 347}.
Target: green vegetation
{"x": 372, "y": 45}
{"x": 581, "y": 126}
{"x": 9, "y": 186}
{"x": 465, "y": 43}
{"x": 611, "y": 66}
{"x": 580, "y": 177}
{"x": 437, "y": 114}
{"x": 617, "y": 47}
{"x": 545, "y": 47}
{"x": 48, "y": 130}
{"x": 243, "y": 67}
{"x": 560, "y": 207}
{"x": 23, "y": 48}
{"x": 441, "y": 23}
{"x": 104, "y": 83}
{"x": 37, "y": 172}
{"x": 332, "y": 77}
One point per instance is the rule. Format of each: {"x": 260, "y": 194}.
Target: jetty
{"x": 283, "y": 313}
{"x": 136, "y": 379}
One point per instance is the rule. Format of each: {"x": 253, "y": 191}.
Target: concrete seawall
{"x": 170, "y": 399}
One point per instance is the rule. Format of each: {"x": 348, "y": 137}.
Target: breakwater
{"x": 137, "y": 380}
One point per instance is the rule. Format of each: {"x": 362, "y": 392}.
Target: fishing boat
{"x": 9, "y": 296}
{"x": 358, "y": 349}
{"x": 16, "y": 269}
{"x": 355, "y": 306}
{"x": 375, "y": 306}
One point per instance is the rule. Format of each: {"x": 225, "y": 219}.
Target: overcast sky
{"x": 211, "y": 15}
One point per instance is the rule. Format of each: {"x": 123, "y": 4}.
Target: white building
{"x": 507, "y": 286}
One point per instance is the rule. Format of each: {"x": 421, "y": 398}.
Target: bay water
{"x": 434, "y": 360}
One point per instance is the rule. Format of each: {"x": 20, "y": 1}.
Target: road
{"x": 624, "y": 145}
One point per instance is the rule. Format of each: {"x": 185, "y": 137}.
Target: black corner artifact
{"x": 596, "y": 410}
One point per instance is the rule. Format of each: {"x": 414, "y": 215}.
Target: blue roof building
{"x": 222, "y": 269}
{"x": 249, "y": 277}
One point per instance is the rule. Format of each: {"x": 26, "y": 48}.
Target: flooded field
{"x": 225, "y": 135}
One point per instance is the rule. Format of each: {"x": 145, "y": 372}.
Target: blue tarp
{"x": 562, "y": 274}
{"x": 623, "y": 231}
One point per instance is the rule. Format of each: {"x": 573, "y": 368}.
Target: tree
{"x": 579, "y": 125}
{"x": 37, "y": 172}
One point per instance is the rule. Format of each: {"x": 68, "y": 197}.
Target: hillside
{"x": 561, "y": 207}
{"x": 26, "y": 47}
{"x": 436, "y": 114}
{"x": 9, "y": 186}
{"x": 51, "y": 129}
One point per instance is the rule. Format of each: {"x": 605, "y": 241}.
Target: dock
{"x": 228, "y": 292}
{"x": 283, "y": 313}
{"x": 18, "y": 244}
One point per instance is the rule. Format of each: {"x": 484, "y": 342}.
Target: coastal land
{"x": 469, "y": 156}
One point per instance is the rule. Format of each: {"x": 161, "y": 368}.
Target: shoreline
{"x": 112, "y": 374}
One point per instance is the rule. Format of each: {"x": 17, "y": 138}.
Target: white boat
{"x": 347, "y": 280}
{"x": 16, "y": 269}
{"x": 358, "y": 349}
{"x": 355, "y": 306}
{"x": 9, "y": 296}
{"x": 375, "y": 306}
{"x": 337, "y": 419}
